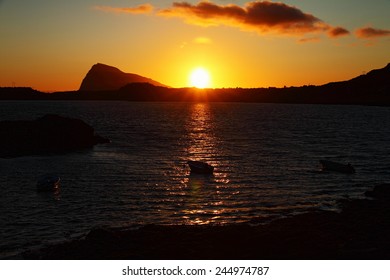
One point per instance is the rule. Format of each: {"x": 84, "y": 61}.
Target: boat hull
{"x": 200, "y": 167}
{"x": 48, "y": 183}
{"x": 328, "y": 165}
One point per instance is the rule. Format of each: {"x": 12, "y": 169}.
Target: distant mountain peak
{"x": 105, "y": 77}
{"x": 103, "y": 66}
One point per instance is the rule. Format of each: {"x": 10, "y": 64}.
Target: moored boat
{"x": 48, "y": 182}
{"x": 200, "y": 167}
{"x": 328, "y": 165}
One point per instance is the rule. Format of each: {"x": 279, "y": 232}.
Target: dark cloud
{"x": 262, "y": 16}
{"x": 336, "y": 32}
{"x": 370, "y": 32}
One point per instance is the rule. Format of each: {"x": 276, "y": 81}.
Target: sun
{"x": 200, "y": 78}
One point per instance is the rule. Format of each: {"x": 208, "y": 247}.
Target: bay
{"x": 265, "y": 158}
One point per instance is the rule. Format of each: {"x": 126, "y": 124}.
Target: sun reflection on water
{"x": 202, "y": 142}
{"x": 204, "y": 203}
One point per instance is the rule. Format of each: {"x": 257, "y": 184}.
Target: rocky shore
{"x": 360, "y": 231}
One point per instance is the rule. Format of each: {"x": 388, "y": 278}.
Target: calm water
{"x": 265, "y": 157}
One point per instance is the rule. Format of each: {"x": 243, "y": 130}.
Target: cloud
{"x": 309, "y": 40}
{"x": 141, "y": 9}
{"x": 370, "y": 33}
{"x": 338, "y": 31}
{"x": 262, "y": 16}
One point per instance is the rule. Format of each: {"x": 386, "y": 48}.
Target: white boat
{"x": 328, "y": 165}
{"x": 48, "y": 182}
{"x": 200, "y": 167}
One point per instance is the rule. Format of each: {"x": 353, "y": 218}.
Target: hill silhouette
{"x": 374, "y": 82}
{"x": 104, "y": 77}
{"x": 374, "y": 79}
{"x": 108, "y": 83}
{"x": 372, "y": 88}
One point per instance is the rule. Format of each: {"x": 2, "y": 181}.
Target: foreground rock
{"x": 360, "y": 231}
{"x": 48, "y": 134}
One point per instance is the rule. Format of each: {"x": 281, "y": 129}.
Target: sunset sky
{"x": 51, "y": 44}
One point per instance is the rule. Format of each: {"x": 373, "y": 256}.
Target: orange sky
{"x": 50, "y": 45}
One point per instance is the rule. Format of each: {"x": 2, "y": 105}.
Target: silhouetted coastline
{"x": 359, "y": 231}
{"x": 369, "y": 89}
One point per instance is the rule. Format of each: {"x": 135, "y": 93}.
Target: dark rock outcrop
{"x": 103, "y": 77}
{"x": 48, "y": 134}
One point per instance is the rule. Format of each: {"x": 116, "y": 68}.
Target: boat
{"x": 328, "y": 165}
{"x": 48, "y": 182}
{"x": 200, "y": 167}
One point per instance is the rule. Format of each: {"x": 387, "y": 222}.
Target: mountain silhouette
{"x": 104, "y": 77}
{"x": 105, "y": 82}
{"x": 374, "y": 82}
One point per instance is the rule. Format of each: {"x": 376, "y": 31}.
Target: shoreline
{"x": 359, "y": 232}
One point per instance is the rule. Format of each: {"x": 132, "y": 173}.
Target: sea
{"x": 266, "y": 159}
